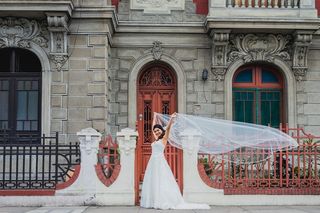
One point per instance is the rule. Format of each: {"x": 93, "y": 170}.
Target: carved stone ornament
{"x": 259, "y": 47}
{"x": 59, "y": 60}
{"x": 20, "y": 32}
{"x": 301, "y": 45}
{"x": 58, "y": 28}
{"x": 157, "y": 50}
{"x": 219, "y": 55}
{"x": 157, "y": 6}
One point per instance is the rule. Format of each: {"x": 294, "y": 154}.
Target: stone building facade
{"x": 107, "y": 64}
{"x": 91, "y": 53}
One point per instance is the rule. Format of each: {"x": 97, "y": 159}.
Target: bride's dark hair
{"x": 161, "y": 128}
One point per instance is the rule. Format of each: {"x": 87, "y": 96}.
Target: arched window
{"x": 20, "y": 94}
{"x": 258, "y": 96}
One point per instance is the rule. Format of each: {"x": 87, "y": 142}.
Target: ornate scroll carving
{"x": 302, "y": 41}
{"x": 259, "y": 47}
{"x": 20, "y": 32}
{"x": 157, "y": 50}
{"x": 219, "y": 53}
{"x": 58, "y": 28}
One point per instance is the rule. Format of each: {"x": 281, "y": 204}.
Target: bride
{"x": 160, "y": 189}
{"x": 257, "y": 143}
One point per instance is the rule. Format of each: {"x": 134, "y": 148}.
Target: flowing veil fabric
{"x": 217, "y": 136}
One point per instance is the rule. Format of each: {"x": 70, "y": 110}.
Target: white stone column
{"x": 89, "y": 186}
{"x": 124, "y": 184}
{"x": 194, "y": 190}
{"x": 87, "y": 183}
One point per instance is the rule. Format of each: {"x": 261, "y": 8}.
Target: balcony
{"x": 265, "y": 14}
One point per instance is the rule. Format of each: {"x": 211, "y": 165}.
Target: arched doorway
{"x": 156, "y": 92}
{"x": 20, "y": 96}
{"x": 258, "y": 96}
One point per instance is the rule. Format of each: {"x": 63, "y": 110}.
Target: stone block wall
{"x": 80, "y": 92}
{"x": 308, "y": 92}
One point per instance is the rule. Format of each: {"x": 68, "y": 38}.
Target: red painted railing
{"x": 108, "y": 166}
{"x": 295, "y": 171}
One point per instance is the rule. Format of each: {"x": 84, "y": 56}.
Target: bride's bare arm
{"x": 166, "y": 135}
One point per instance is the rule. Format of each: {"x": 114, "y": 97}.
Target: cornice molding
{"x": 38, "y": 6}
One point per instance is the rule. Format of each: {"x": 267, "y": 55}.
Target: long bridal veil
{"x": 216, "y": 136}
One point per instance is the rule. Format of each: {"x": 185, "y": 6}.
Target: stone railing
{"x": 287, "y": 9}
{"x": 264, "y": 3}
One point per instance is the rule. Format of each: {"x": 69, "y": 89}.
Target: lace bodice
{"x": 157, "y": 148}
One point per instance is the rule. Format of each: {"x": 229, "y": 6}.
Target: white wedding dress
{"x": 160, "y": 189}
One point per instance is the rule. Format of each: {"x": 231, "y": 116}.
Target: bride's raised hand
{"x": 165, "y": 137}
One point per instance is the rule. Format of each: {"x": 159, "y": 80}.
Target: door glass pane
{"x": 269, "y": 77}
{"x": 147, "y": 113}
{"x": 27, "y": 105}
{"x": 244, "y": 106}
{"x": 165, "y": 107}
{"x": 4, "y": 104}
{"x": 244, "y": 76}
{"x": 34, "y": 125}
{"x": 270, "y": 108}
{"x": 33, "y": 105}
{"x": 5, "y": 55}
{"x": 22, "y": 105}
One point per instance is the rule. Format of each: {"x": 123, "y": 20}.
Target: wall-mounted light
{"x": 204, "y": 74}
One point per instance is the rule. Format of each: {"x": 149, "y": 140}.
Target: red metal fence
{"x": 295, "y": 171}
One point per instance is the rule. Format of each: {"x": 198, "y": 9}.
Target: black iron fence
{"x": 36, "y": 162}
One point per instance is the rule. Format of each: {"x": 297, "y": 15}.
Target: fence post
{"x": 194, "y": 188}
{"x": 87, "y": 182}
{"x": 124, "y": 184}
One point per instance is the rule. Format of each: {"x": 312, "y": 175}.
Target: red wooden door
{"x": 156, "y": 93}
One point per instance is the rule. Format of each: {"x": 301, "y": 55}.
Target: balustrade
{"x": 263, "y": 3}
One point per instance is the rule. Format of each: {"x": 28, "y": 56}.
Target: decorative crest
{"x": 157, "y": 50}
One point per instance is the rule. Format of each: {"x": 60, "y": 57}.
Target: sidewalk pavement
{"x": 136, "y": 209}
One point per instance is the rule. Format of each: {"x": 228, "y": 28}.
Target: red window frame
{"x": 258, "y": 84}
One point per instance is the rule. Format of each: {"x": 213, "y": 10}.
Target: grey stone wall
{"x": 188, "y": 15}
{"x": 80, "y": 92}
{"x": 202, "y": 98}
{"x": 308, "y": 92}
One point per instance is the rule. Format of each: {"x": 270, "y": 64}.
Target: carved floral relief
{"x": 259, "y": 47}
{"x": 19, "y": 32}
